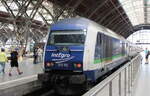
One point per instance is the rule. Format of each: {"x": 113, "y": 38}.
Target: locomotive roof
{"x": 71, "y": 23}
{"x": 80, "y": 23}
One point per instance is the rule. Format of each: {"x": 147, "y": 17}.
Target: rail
{"x": 119, "y": 83}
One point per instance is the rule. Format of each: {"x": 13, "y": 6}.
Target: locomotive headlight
{"x": 78, "y": 65}
{"x": 50, "y": 64}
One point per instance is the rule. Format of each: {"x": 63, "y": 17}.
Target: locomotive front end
{"x": 64, "y": 56}
{"x": 63, "y": 60}
{"x": 64, "y": 51}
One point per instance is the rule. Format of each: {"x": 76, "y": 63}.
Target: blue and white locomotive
{"x": 79, "y": 50}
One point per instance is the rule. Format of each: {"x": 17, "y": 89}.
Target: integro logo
{"x": 60, "y": 55}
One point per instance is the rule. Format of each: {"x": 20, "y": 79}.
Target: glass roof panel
{"x": 147, "y": 2}
{"x": 2, "y": 8}
{"x": 141, "y": 36}
{"x": 134, "y": 10}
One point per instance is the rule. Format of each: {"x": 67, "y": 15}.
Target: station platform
{"x": 142, "y": 84}
{"x": 29, "y": 70}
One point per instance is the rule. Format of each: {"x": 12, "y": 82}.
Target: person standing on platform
{"x": 14, "y": 62}
{"x": 40, "y": 55}
{"x": 146, "y": 55}
{"x": 3, "y": 60}
{"x": 35, "y": 55}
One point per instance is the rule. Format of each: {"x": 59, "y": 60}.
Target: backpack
{"x": 13, "y": 55}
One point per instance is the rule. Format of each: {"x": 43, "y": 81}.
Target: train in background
{"x": 79, "y": 51}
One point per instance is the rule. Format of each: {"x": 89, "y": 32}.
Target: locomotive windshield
{"x": 66, "y": 38}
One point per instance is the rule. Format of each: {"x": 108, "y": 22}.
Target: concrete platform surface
{"x": 142, "y": 84}
{"x": 26, "y": 66}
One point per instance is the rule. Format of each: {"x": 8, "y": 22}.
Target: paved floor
{"x": 142, "y": 87}
{"x": 26, "y": 66}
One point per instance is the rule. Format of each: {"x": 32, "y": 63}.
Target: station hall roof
{"x": 20, "y": 17}
{"x": 122, "y": 16}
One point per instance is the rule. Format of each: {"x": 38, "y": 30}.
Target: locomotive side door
{"x": 99, "y": 51}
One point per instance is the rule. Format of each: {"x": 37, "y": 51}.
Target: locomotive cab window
{"x": 67, "y": 38}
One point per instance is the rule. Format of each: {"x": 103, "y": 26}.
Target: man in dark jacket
{"x": 14, "y": 62}
{"x": 35, "y": 55}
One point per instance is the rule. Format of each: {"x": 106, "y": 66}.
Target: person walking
{"x": 146, "y": 55}
{"x": 3, "y": 60}
{"x": 14, "y": 62}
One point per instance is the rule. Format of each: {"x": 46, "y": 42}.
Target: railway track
{"x": 42, "y": 92}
